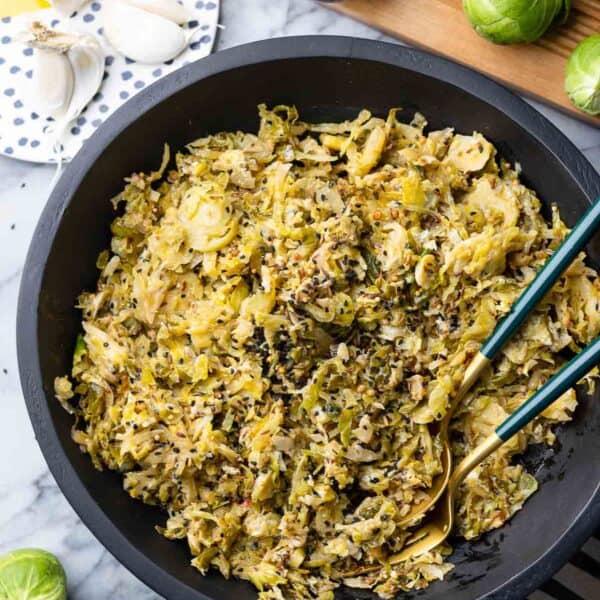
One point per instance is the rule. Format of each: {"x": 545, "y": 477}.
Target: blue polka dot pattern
{"x": 203, "y": 40}
{"x": 21, "y": 128}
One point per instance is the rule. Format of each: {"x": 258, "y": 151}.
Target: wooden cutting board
{"x": 440, "y": 26}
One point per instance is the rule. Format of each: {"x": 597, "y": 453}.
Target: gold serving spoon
{"x": 545, "y": 279}
{"x": 441, "y": 520}
{"x": 440, "y": 523}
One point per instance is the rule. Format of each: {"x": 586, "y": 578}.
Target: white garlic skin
{"x": 168, "y": 9}
{"x": 141, "y": 35}
{"x": 53, "y": 83}
{"x": 87, "y": 61}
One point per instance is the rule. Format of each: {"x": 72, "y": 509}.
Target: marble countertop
{"x": 33, "y": 512}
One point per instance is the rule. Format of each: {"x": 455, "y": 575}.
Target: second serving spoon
{"x": 530, "y": 297}
{"x": 441, "y": 520}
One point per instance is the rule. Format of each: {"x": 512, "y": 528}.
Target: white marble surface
{"x": 32, "y": 509}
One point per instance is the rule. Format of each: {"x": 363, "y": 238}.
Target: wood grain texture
{"x": 440, "y": 26}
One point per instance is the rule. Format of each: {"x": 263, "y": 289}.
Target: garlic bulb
{"x": 53, "y": 83}
{"x": 169, "y": 9}
{"x": 141, "y": 35}
{"x": 67, "y": 7}
{"x": 69, "y": 72}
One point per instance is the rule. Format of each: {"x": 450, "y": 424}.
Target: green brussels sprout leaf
{"x": 32, "y": 574}
{"x": 563, "y": 16}
{"x": 514, "y": 21}
{"x": 582, "y": 82}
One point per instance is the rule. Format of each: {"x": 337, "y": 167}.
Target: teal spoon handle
{"x": 544, "y": 280}
{"x": 566, "y": 378}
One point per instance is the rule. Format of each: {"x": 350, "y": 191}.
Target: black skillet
{"x": 328, "y": 78}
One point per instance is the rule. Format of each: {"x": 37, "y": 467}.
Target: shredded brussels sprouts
{"x": 279, "y": 319}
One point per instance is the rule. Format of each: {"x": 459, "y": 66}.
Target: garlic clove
{"x": 67, "y": 7}
{"x": 53, "y": 83}
{"x": 70, "y": 72}
{"x": 87, "y": 63}
{"x": 141, "y": 35}
{"x": 168, "y": 9}
{"x": 40, "y": 36}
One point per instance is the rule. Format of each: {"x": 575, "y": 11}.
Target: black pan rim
{"x": 532, "y": 575}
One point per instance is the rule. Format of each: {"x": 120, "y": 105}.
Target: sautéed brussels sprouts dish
{"x": 280, "y": 319}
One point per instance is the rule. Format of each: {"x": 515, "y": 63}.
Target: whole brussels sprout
{"x": 32, "y": 574}
{"x": 582, "y": 83}
{"x": 514, "y": 21}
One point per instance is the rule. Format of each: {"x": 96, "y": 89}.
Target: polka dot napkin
{"x": 22, "y": 130}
